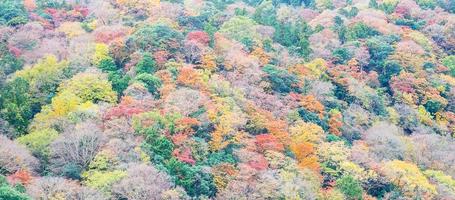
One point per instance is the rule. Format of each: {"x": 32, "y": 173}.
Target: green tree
{"x": 146, "y": 65}
{"x": 340, "y": 28}
{"x": 295, "y": 36}
{"x": 350, "y": 187}
{"x": 265, "y": 14}
{"x": 387, "y": 71}
{"x": 433, "y": 106}
{"x": 449, "y": 62}
{"x": 44, "y": 78}
{"x": 195, "y": 181}
{"x": 152, "y": 82}
{"x": 426, "y": 4}
{"x": 360, "y": 31}
{"x": 341, "y": 55}
{"x": 281, "y": 80}
{"x": 157, "y": 37}
{"x": 10, "y": 193}
{"x": 380, "y": 48}
{"x": 240, "y": 28}
{"x": 12, "y": 12}
{"x": 158, "y": 146}
{"x": 115, "y": 74}
{"x": 16, "y": 105}
{"x": 8, "y": 62}
{"x": 38, "y": 142}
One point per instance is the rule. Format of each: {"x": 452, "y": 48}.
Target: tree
{"x": 101, "y": 53}
{"x": 90, "y": 87}
{"x": 432, "y": 151}
{"x": 267, "y": 142}
{"x": 38, "y": 142}
{"x": 12, "y": 13}
{"x": 9, "y": 192}
{"x": 385, "y": 141}
{"x": 409, "y": 178}
{"x": 335, "y": 122}
{"x": 44, "y": 78}
{"x": 295, "y": 36}
{"x": 151, "y": 82}
{"x": 190, "y": 77}
{"x": 115, "y": 74}
{"x": 60, "y": 188}
{"x": 240, "y": 28}
{"x": 158, "y": 147}
{"x": 75, "y": 148}
{"x": 350, "y": 187}
{"x": 304, "y": 138}
{"x": 177, "y": 101}
{"x": 281, "y": 80}
{"x": 426, "y": 4}
{"x": 198, "y": 36}
{"x": 157, "y": 37}
{"x": 195, "y": 181}
{"x": 10, "y": 63}
{"x": 15, "y": 157}
{"x": 379, "y": 48}
{"x": 146, "y": 65}
{"x": 449, "y": 62}
{"x": 193, "y": 51}
{"x": 102, "y": 180}
{"x": 310, "y": 103}
{"x": 16, "y": 104}
{"x": 71, "y": 29}
{"x": 360, "y": 31}
{"x": 143, "y": 182}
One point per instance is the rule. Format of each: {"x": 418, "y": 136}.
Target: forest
{"x": 227, "y": 99}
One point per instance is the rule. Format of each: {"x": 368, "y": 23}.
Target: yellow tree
{"x": 310, "y": 103}
{"x": 409, "y": 178}
{"x": 79, "y": 93}
{"x": 44, "y": 77}
{"x": 227, "y": 117}
{"x": 305, "y": 137}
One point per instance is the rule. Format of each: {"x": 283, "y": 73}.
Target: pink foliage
{"x": 259, "y": 163}
{"x": 199, "y": 36}
{"x": 127, "y": 108}
{"x": 179, "y": 138}
{"x": 184, "y": 155}
{"x": 268, "y": 142}
{"x": 108, "y": 34}
{"x": 161, "y": 57}
{"x": 403, "y": 83}
{"x": 21, "y": 176}
{"x": 14, "y": 50}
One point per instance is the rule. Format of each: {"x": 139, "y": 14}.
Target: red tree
{"x": 268, "y": 142}
{"x": 198, "y": 36}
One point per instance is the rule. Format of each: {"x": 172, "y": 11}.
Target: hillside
{"x": 227, "y": 99}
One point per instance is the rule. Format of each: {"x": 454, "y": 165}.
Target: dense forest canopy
{"x": 227, "y": 99}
